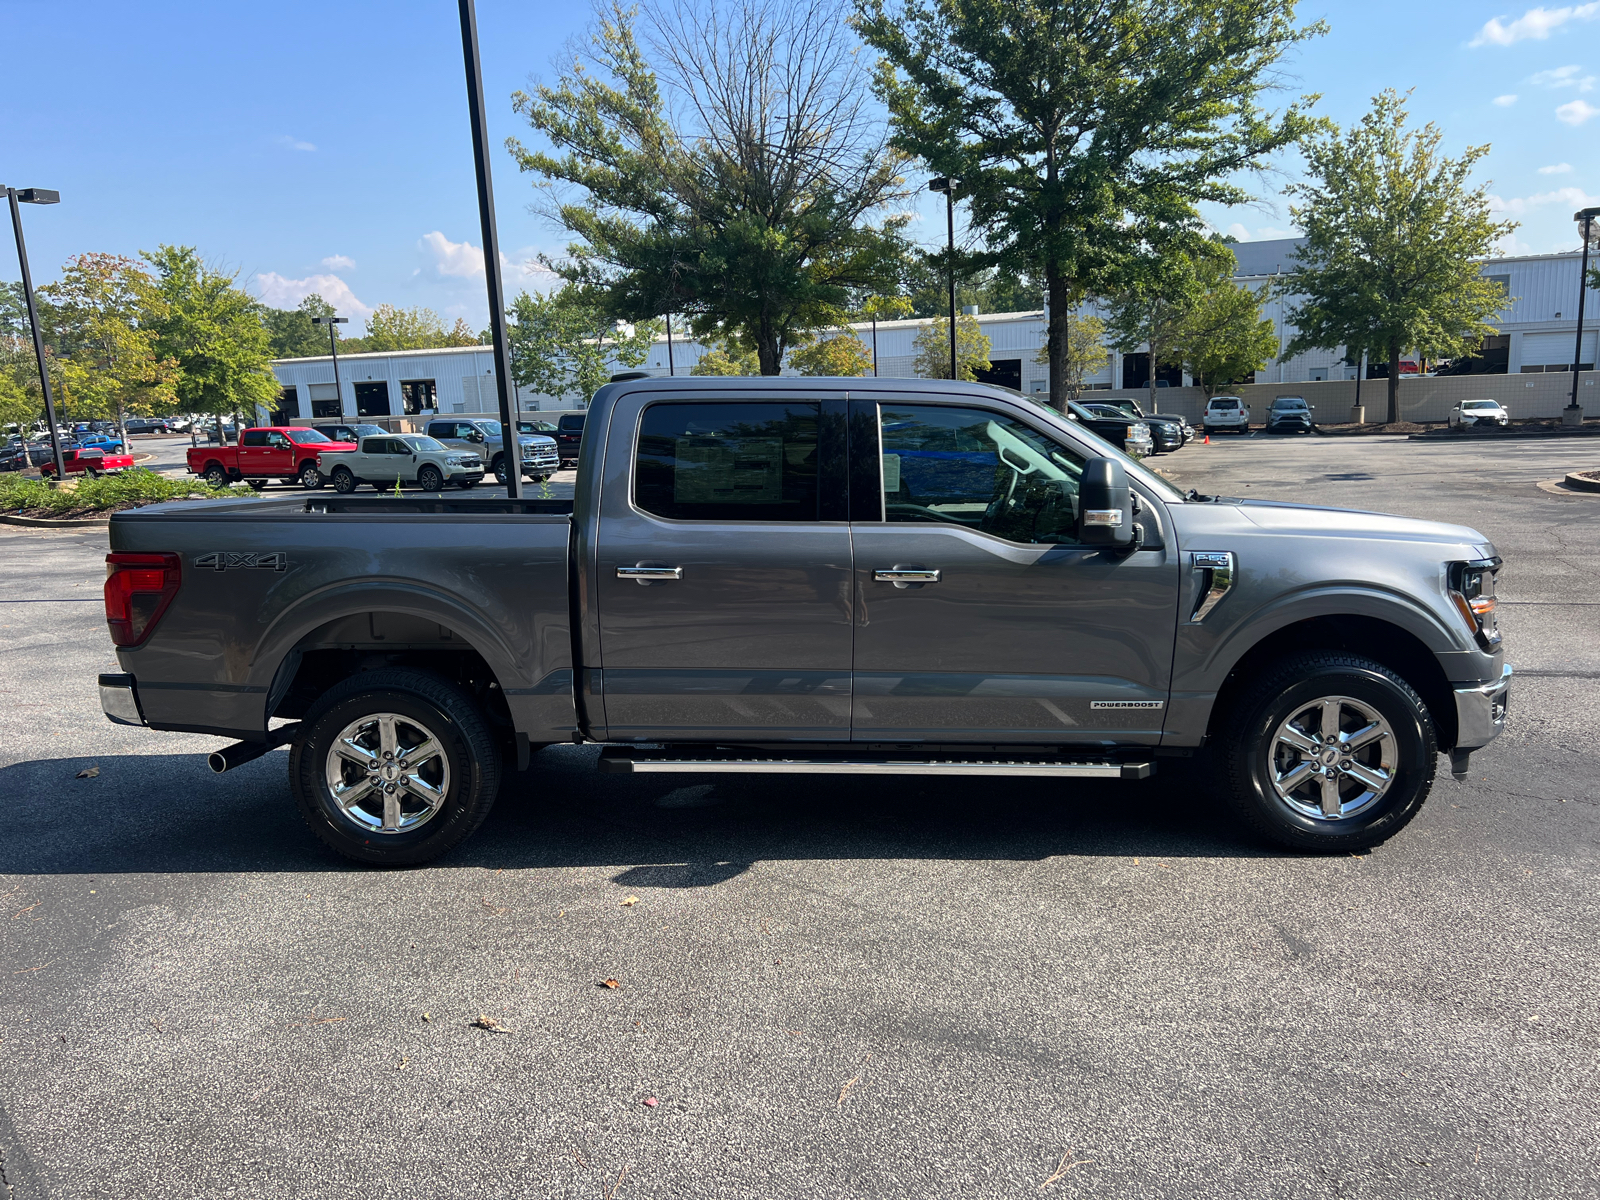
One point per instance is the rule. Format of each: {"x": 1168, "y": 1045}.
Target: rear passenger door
{"x": 722, "y": 570}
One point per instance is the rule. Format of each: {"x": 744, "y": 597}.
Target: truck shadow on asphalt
{"x": 169, "y": 813}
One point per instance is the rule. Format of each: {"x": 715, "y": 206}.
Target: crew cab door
{"x": 253, "y": 452}
{"x": 980, "y": 617}
{"x": 722, "y": 569}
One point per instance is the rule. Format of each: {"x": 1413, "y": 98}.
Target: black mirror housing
{"x": 1105, "y": 504}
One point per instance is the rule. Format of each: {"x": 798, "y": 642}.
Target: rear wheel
{"x": 429, "y": 479}
{"x": 1329, "y": 751}
{"x": 257, "y": 484}
{"x": 216, "y": 476}
{"x": 344, "y": 482}
{"x": 310, "y": 477}
{"x": 394, "y": 767}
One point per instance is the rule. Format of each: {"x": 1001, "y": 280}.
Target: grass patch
{"x": 109, "y": 493}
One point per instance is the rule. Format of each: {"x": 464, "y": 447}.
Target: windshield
{"x": 419, "y": 441}
{"x": 535, "y": 426}
{"x": 1104, "y": 448}
{"x": 1282, "y": 405}
{"x": 307, "y": 436}
{"x": 1481, "y": 404}
{"x": 489, "y": 428}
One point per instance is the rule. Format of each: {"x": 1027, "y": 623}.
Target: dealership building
{"x": 400, "y": 389}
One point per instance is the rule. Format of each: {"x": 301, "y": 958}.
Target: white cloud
{"x": 339, "y": 262}
{"x": 1510, "y": 245}
{"x": 286, "y": 293}
{"x": 1506, "y": 101}
{"x": 1563, "y": 77}
{"x": 1519, "y": 206}
{"x": 1265, "y": 233}
{"x": 1556, "y": 169}
{"x": 1576, "y": 112}
{"x": 293, "y": 143}
{"x": 461, "y": 259}
{"x": 1536, "y": 23}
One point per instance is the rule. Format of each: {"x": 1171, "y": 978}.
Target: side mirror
{"x": 1106, "y": 504}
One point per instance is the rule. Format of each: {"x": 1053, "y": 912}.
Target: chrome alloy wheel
{"x": 388, "y": 773}
{"x": 1332, "y": 758}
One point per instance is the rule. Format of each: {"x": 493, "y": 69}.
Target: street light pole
{"x": 333, "y": 348}
{"x": 510, "y": 436}
{"x": 37, "y": 196}
{"x": 1586, "y": 216}
{"x": 948, "y": 185}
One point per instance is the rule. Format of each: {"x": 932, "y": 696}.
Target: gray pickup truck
{"x": 868, "y": 576}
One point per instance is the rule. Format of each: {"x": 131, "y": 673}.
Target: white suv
{"x": 401, "y": 458}
{"x": 1478, "y": 412}
{"x": 1226, "y": 412}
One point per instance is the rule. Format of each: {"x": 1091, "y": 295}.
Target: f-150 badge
{"x": 222, "y": 560}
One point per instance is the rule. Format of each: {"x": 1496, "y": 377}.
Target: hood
{"x": 1312, "y": 521}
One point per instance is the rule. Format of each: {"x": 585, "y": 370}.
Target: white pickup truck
{"x": 401, "y": 458}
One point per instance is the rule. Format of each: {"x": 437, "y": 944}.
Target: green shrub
{"x": 133, "y": 487}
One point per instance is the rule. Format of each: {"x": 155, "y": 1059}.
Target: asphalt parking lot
{"x": 920, "y": 989}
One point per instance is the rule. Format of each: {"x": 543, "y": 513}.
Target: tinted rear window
{"x": 1225, "y": 402}
{"x": 728, "y": 462}
{"x": 571, "y": 423}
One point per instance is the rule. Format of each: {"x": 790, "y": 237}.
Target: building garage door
{"x": 1553, "y": 351}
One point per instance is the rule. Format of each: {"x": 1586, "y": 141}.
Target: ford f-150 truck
{"x": 286, "y": 452}
{"x": 876, "y": 576}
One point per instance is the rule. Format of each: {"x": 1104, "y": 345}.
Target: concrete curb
{"x": 1486, "y": 436}
{"x": 1578, "y": 482}
{"x": 53, "y": 523}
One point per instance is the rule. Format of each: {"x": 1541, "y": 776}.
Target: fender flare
{"x": 277, "y": 644}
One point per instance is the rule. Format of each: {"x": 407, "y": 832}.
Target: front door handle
{"x": 642, "y": 574}
{"x": 906, "y": 575}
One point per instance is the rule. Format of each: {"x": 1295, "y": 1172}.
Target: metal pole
{"x": 510, "y": 439}
{"x": 874, "y": 343}
{"x": 1583, "y": 289}
{"x": 670, "y": 371}
{"x": 333, "y": 347}
{"x": 38, "y": 338}
{"x": 950, "y": 223}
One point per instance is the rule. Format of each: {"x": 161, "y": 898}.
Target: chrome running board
{"x": 627, "y": 761}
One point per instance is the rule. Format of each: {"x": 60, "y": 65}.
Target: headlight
{"x": 1138, "y": 432}
{"x": 1472, "y": 592}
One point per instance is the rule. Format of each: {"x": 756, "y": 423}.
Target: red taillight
{"x": 138, "y": 589}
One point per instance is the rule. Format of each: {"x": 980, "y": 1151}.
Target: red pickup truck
{"x": 265, "y": 453}
{"x": 90, "y": 460}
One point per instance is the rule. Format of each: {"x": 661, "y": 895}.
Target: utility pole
{"x": 37, "y": 196}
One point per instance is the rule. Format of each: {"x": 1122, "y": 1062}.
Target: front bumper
{"x": 535, "y": 463}
{"x": 119, "y": 699}
{"x": 1481, "y": 711}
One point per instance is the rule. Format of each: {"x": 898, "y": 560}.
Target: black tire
{"x": 344, "y": 481}
{"x": 257, "y": 484}
{"x": 499, "y": 469}
{"x": 310, "y": 477}
{"x": 216, "y": 476}
{"x": 438, "y": 706}
{"x": 429, "y": 479}
{"x": 1294, "y": 685}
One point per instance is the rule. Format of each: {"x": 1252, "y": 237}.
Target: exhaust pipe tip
{"x": 240, "y": 753}
{"x": 217, "y": 761}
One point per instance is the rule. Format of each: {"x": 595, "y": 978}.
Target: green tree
{"x": 722, "y": 164}
{"x": 13, "y": 312}
{"x": 727, "y": 357}
{"x": 419, "y": 328}
{"x": 564, "y": 342}
{"x": 1226, "y": 338}
{"x": 1166, "y": 282}
{"x": 213, "y": 329}
{"x": 932, "y": 345}
{"x": 103, "y": 309}
{"x": 991, "y": 289}
{"x": 1394, "y": 235}
{"x": 290, "y": 332}
{"x": 1080, "y": 130}
{"x": 1086, "y": 351}
{"x": 839, "y": 353}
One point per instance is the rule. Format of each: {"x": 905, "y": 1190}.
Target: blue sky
{"x": 324, "y": 146}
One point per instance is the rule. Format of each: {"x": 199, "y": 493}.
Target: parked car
{"x": 80, "y": 460}
{"x": 1289, "y": 414}
{"x": 110, "y": 443}
{"x": 1477, "y": 412}
{"x": 569, "y": 436}
{"x": 1163, "y": 437}
{"x": 1132, "y": 408}
{"x": 1040, "y": 605}
{"x": 1226, "y": 412}
{"x": 402, "y": 458}
{"x": 145, "y": 425}
{"x": 1131, "y": 437}
{"x": 268, "y": 452}
{"x": 349, "y": 433}
{"x": 484, "y": 437}
{"x": 19, "y": 456}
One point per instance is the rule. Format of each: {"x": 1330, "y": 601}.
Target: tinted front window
{"x": 728, "y": 462}
{"x": 979, "y": 469}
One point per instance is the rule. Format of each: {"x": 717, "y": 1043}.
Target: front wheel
{"x": 500, "y": 471}
{"x": 429, "y": 479}
{"x": 394, "y": 767}
{"x": 1329, "y": 751}
{"x": 257, "y": 484}
{"x": 344, "y": 481}
{"x": 310, "y": 477}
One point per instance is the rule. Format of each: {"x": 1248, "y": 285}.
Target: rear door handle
{"x": 906, "y": 575}
{"x": 648, "y": 574}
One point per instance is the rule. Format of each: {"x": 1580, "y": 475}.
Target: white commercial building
{"x": 403, "y": 388}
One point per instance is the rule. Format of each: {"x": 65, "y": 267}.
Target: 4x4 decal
{"x": 222, "y": 560}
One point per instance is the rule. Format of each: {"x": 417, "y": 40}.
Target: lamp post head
{"x": 38, "y": 196}
{"x": 330, "y": 320}
{"x": 944, "y": 183}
